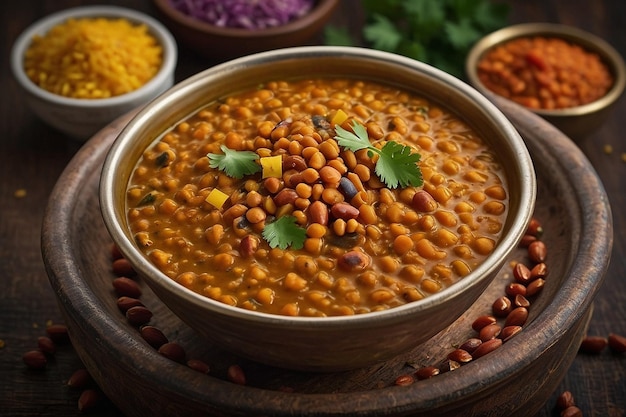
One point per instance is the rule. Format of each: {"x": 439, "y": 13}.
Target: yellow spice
{"x": 93, "y": 58}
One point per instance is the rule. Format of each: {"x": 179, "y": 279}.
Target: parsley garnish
{"x": 284, "y": 232}
{"x": 439, "y": 32}
{"x": 396, "y": 165}
{"x": 235, "y": 164}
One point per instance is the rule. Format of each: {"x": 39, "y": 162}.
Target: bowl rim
{"x": 320, "y": 8}
{"x": 587, "y": 40}
{"x": 506, "y": 244}
{"x": 43, "y": 25}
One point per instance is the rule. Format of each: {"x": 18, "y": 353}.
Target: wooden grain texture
{"x": 33, "y": 156}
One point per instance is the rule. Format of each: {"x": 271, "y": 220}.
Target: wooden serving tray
{"x": 514, "y": 380}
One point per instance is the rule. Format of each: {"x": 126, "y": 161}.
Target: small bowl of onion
{"x": 223, "y": 30}
{"x": 127, "y": 59}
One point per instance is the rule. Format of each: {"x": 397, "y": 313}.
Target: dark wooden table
{"x": 32, "y": 156}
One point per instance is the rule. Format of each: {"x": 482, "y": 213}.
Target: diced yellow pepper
{"x": 272, "y": 166}
{"x": 217, "y": 198}
{"x": 339, "y": 117}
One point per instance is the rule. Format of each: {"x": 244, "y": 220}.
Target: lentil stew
{"x": 365, "y": 245}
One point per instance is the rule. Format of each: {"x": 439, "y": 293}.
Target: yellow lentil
{"x": 92, "y": 58}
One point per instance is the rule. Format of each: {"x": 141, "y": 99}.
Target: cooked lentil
{"x": 544, "y": 73}
{"x": 379, "y": 249}
{"x": 91, "y": 58}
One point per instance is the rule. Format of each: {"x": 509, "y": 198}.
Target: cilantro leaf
{"x": 382, "y": 33}
{"x": 438, "y": 32}
{"x": 397, "y": 166}
{"x": 461, "y": 35}
{"x": 353, "y": 141}
{"x": 284, "y": 232}
{"x": 235, "y": 164}
{"x": 337, "y": 36}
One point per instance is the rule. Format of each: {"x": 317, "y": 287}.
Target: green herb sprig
{"x": 438, "y": 32}
{"x": 284, "y": 232}
{"x": 236, "y": 164}
{"x": 396, "y": 164}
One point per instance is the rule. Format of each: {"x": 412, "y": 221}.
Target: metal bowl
{"x": 312, "y": 343}
{"x": 576, "y": 122}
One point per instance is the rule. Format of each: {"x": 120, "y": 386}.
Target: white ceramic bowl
{"x": 319, "y": 343}
{"x": 81, "y": 118}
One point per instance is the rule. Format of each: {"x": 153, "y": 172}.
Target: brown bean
{"x": 89, "y": 399}
{"x": 527, "y": 240}
{"x": 46, "y": 345}
{"x": 521, "y": 301}
{"x": 294, "y": 162}
{"x": 35, "y": 359}
{"x": 58, "y": 333}
{"x": 236, "y": 375}
{"x": 125, "y": 302}
{"x": 153, "y": 336}
{"x": 423, "y": 202}
{"x": 123, "y": 268}
{"x": 517, "y": 317}
{"x": 617, "y": 343}
{"x": 138, "y": 315}
{"x": 248, "y": 245}
{"x": 572, "y": 411}
{"x": 515, "y": 288}
{"x": 173, "y": 351}
{"x": 404, "y": 380}
{"x": 534, "y": 228}
{"x": 460, "y": 355}
{"x": 448, "y": 365}
{"x": 486, "y": 347}
{"x": 344, "y": 211}
{"x": 124, "y": 286}
{"x": 508, "y": 332}
{"x": 471, "y": 344}
{"x": 539, "y": 271}
{"x": 501, "y": 307}
{"x": 491, "y": 331}
{"x": 116, "y": 253}
{"x": 521, "y": 273}
{"x": 566, "y": 399}
{"x": 318, "y": 213}
{"x": 79, "y": 379}
{"x": 198, "y": 365}
{"x": 483, "y": 321}
{"x": 593, "y": 344}
{"x": 537, "y": 251}
{"x": 427, "y": 372}
{"x": 535, "y": 287}
{"x": 285, "y": 196}
{"x": 353, "y": 260}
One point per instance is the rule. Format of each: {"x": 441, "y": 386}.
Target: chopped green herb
{"x": 147, "y": 199}
{"x": 235, "y": 164}
{"x": 396, "y": 165}
{"x": 438, "y": 32}
{"x": 284, "y": 232}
